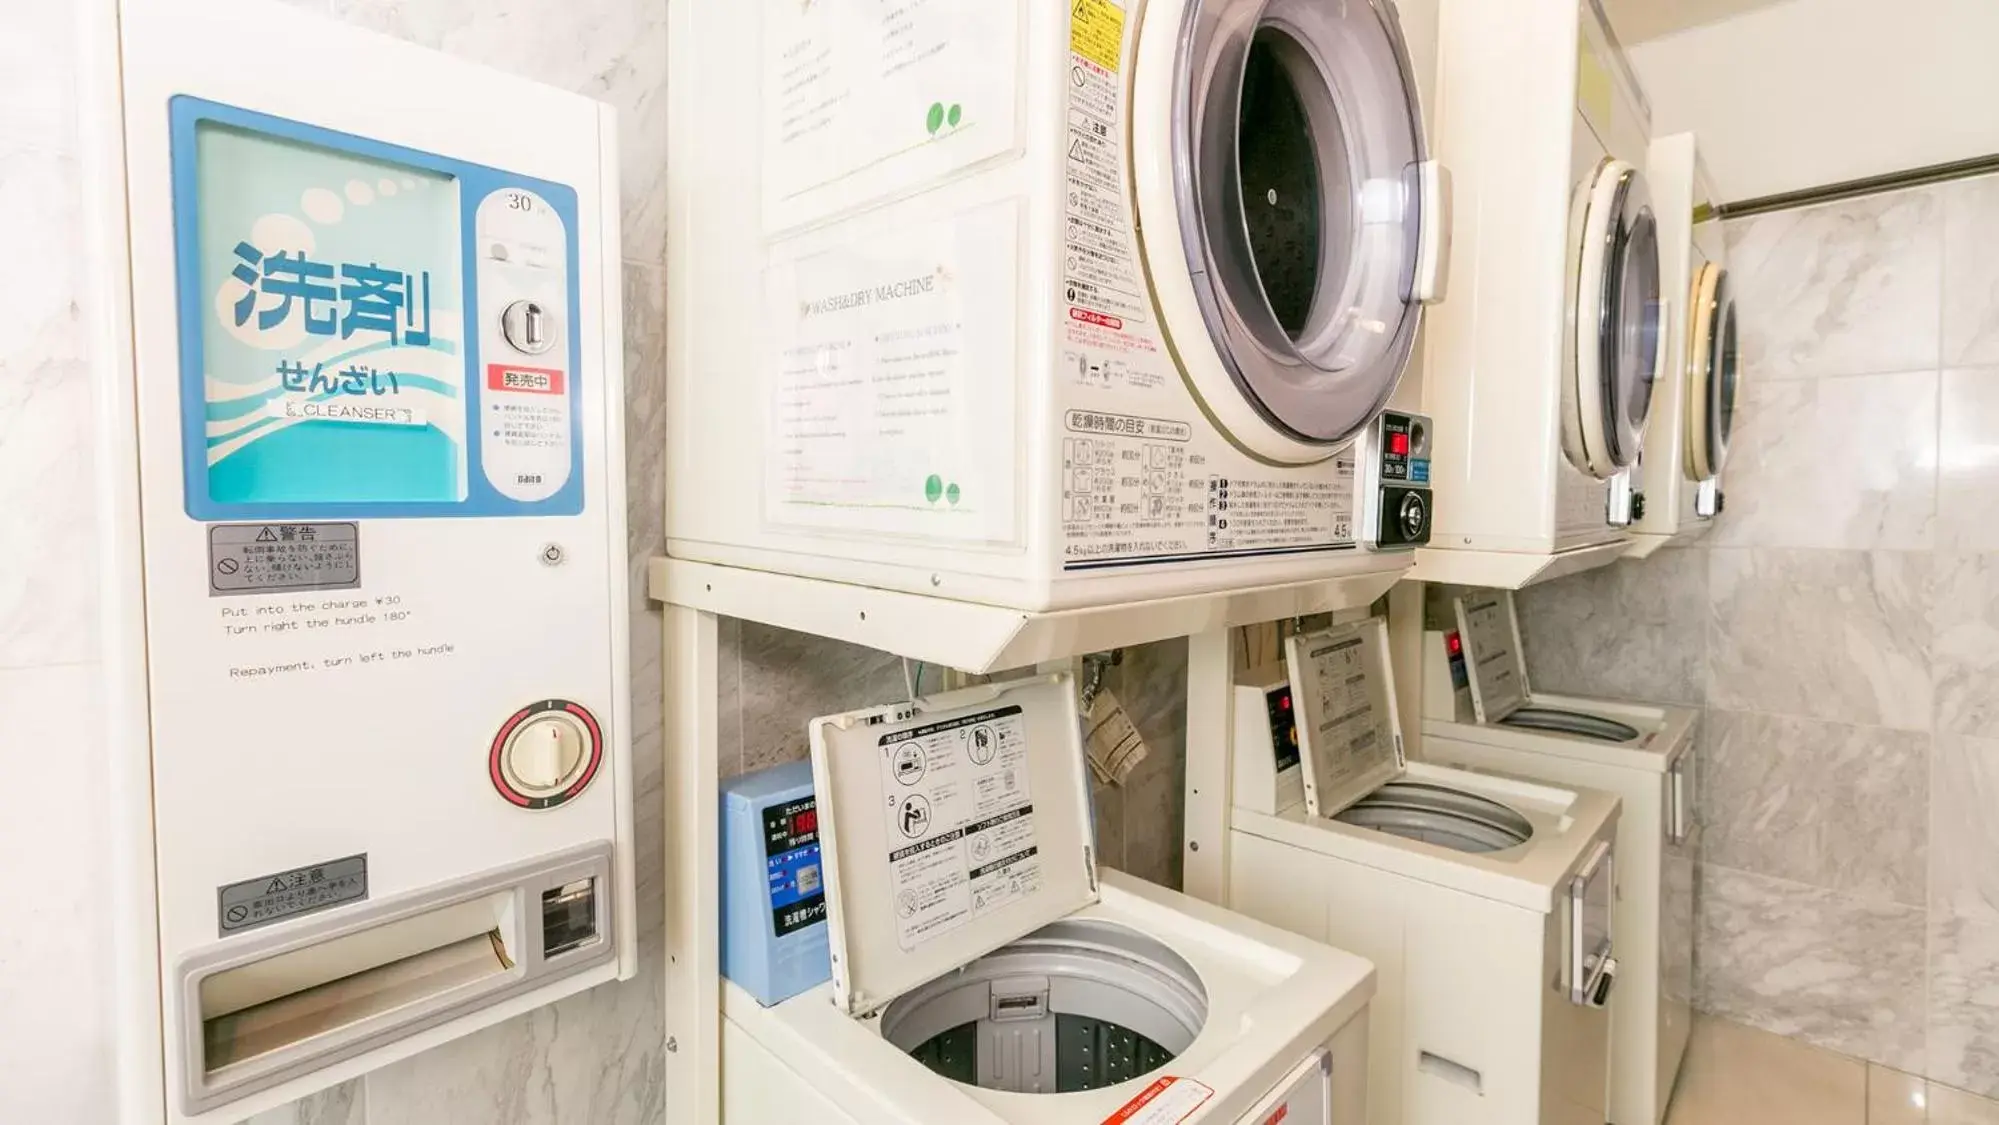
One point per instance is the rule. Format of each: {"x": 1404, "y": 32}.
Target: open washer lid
{"x": 1293, "y": 191}
{"x": 1343, "y": 693}
{"x": 949, "y": 826}
{"x": 1711, "y": 372}
{"x": 1616, "y": 311}
{"x": 1496, "y": 670}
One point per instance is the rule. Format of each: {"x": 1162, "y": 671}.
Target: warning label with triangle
{"x": 267, "y": 536}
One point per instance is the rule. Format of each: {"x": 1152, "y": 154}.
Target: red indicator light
{"x": 1283, "y": 703}
{"x": 1398, "y": 444}
{"x": 1453, "y": 645}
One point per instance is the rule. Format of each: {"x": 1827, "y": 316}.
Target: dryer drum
{"x": 1296, "y": 154}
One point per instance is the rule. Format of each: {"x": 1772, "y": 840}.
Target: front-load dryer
{"x": 1693, "y": 418}
{"x": 1050, "y": 303}
{"x": 985, "y": 971}
{"x": 1485, "y": 902}
{"x": 1481, "y": 712}
{"x": 1540, "y": 364}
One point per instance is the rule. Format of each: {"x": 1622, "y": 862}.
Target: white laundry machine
{"x": 1480, "y": 712}
{"x": 1483, "y": 901}
{"x": 985, "y": 970}
{"x": 1050, "y": 303}
{"x": 1686, "y": 442}
{"x": 1540, "y": 365}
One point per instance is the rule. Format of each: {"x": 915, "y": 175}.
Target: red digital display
{"x": 1398, "y": 444}
{"x": 1453, "y": 644}
{"x": 805, "y": 822}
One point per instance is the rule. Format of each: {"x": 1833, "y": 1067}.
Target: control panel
{"x": 774, "y": 939}
{"x": 1393, "y": 459}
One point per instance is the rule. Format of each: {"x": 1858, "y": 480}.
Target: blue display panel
{"x": 791, "y": 845}
{"x": 340, "y": 302}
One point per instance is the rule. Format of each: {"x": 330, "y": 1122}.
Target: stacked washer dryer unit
{"x": 1043, "y": 305}
{"x": 1540, "y": 365}
{"x": 1481, "y": 712}
{"x": 1483, "y": 901}
{"x": 1010, "y": 307}
{"x": 1686, "y": 443}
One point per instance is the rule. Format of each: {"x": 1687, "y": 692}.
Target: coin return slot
{"x": 1075, "y": 1006}
{"x": 568, "y": 917}
{"x": 252, "y": 1010}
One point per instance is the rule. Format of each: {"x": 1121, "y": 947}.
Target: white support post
{"x": 1210, "y": 726}
{"x": 1405, "y": 654}
{"x": 693, "y": 872}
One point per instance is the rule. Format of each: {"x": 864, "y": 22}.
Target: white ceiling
{"x": 1635, "y": 21}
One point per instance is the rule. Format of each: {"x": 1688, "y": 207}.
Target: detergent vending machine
{"x": 378, "y": 540}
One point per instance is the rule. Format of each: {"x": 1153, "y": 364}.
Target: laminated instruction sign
{"x": 960, "y": 822}
{"x": 331, "y": 323}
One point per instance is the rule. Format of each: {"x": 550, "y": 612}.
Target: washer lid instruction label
{"x": 960, "y": 821}
{"x": 288, "y": 894}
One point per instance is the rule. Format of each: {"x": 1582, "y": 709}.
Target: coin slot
{"x": 568, "y": 917}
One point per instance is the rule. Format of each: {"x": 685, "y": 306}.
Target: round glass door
{"x": 1617, "y": 322}
{"x": 1711, "y": 378}
{"x": 1297, "y": 158}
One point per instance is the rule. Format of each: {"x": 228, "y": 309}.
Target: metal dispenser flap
{"x": 949, "y": 827}
{"x": 1343, "y": 692}
{"x": 1493, "y": 663}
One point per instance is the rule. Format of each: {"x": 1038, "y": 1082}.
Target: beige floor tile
{"x": 1955, "y": 1107}
{"x": 1735, "y": 1075}
{"x": 1895, "y": 1098}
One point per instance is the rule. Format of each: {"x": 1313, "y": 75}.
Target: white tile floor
{"x": 1735, "y": 1075}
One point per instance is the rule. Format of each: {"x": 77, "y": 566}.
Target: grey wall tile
{"x": 1964, "y": 914}
{"x": 1970, "y": 272}
{"x": 1842, "y": 289}
{"x": 1632, "y": 630}
{"x": 38, "y": 79}
{"x": 48, "y": 589}
{"x": 1152, "y": 685}
{"x": 1967, "y": 470}
{"x": 1846, "y": 462}
{"x": 611, "y": 50}
{"x": 596, "y": 1057}
{"x": 1825, "y": 804}
{"x": 345, "y": 1104}
{"x": 790, "y": 678}
{"x": 1965, "y": 617}
{"x": 1818, "y": 965}
{"x": 1836, "y": 635}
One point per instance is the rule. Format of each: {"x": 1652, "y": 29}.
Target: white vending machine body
{"x": 377, "y": 405}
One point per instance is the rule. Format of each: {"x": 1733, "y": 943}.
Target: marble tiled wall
{"x": 1839, "y": 626}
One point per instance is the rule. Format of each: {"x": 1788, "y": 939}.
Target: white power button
{"x": 545, "y": 753}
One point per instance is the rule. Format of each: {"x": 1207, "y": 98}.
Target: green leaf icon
{"x": 956, "y": 115}
{"x": 936, "y": 119}
{"x": 952, "y": 494}
{"x": 933, "y": 488}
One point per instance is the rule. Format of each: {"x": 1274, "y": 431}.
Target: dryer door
{"x": 1616, "y": 345}
{"x": 1711, "y": 375}
{"x": 1290, "y": 222}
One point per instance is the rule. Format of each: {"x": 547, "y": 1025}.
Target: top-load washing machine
{"x": 984, "y": 970}
{"x": 1481, "y": 712}
{"x": 1693, "y": 415}
{"x": 1540, "y": 365}
{"x": 1485, "y": 902}
{"x": 1049, "y": 303}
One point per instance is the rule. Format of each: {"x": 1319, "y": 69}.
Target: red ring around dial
{"x": 594, "y": 755}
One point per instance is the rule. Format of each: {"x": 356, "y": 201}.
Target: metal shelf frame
{"x": 967, "y": 636}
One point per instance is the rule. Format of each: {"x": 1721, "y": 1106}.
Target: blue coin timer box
{"x": 774, "y": 943}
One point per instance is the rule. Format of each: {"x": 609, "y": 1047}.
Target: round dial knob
{"x": 546, "y": 753}
{"x": 1414, "y": 514}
